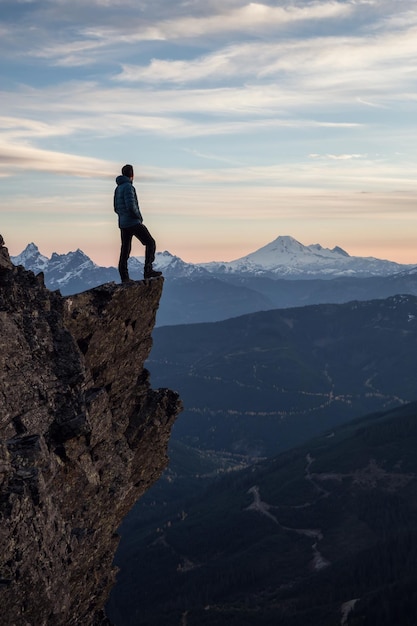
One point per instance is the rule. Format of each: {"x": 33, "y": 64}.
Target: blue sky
{"x": 244, "y": 121}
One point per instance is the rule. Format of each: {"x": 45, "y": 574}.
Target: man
{"x": 131, "y": 224}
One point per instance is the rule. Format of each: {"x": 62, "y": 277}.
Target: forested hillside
{"x": 324, "y": 534}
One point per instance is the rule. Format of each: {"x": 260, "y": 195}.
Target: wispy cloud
{"x": 248, "y": 18}
{"x": 17, "y": 158}
{"x": 88, "y": 107}
{"x": 341, "y": 66}
{"x": 338, "y": 157}
{"x": 70, "y": 43}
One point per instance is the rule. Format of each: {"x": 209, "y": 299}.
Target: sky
{"x": 243, "y": 120}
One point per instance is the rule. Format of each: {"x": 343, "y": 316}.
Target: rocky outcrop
{"x": 82, "y": 437}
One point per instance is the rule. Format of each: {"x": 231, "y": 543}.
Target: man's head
{"x": 127, "y": 170}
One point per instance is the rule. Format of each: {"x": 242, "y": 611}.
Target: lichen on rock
{"x": 82, "y": 437}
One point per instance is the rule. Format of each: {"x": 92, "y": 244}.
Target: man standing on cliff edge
{"x": 126, "y": 206}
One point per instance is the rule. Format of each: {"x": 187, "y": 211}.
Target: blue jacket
{"x": 126, "y": 203}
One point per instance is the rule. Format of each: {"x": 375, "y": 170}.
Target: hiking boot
{"x": 150, "y": 273}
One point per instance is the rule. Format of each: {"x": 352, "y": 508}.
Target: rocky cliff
{"x": 82, "y": 437}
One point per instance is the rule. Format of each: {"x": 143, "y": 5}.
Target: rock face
{"x": 82, "y": 437}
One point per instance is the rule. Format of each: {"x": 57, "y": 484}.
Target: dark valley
{"x": 260, "y": 383}
{"x": 324, "y": 534}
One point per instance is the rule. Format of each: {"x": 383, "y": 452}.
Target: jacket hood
{"x": 122, "y": 179}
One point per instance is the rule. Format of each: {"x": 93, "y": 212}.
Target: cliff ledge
{"x": 82, "y": 437}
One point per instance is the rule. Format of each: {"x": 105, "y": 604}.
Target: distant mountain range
{"x": 282, "y": 274}
{"x": 282, "y": 258}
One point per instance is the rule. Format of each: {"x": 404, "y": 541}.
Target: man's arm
{"x": 131, "y": 201}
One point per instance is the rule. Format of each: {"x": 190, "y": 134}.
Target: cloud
{"x": 379, "y": 55}
{"x": 364, "y": 66}
{"x": 330, "y": 170}
{"x": 338, "y": 157}
{"x": 237, "y": 112}
{"x": 77, "y": 33}
{"x": 266, "y": 84}
{"x": 250, "y": 18}
{"x": 92, "y": 108}
{"x": 27, "y": 157}
{"x": 15, "y": 128}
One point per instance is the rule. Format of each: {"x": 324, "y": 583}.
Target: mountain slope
{"x": 287, "y": 293}
{"x": 325, "y": 534}
{"x": 259, "y": 383}
{"x": 207, "y": 299}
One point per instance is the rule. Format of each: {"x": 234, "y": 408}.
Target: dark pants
{"x": 142, "y": 233}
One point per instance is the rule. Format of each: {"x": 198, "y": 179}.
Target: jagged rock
{"x": 82, "y": 437}
{"x": 5, "y": 262}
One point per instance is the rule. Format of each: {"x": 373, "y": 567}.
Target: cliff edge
{"x": 82, "y": 437}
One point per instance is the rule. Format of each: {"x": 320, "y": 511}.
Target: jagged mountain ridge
{"x": 192, "y": 293}
{"x": 284, "y": 257}
{"x": 70, "y": 273}
{"x": 82, "y": 436}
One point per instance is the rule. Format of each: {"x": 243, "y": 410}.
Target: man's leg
{"x": 126, "y": 235}
{"x": 145, "y": 237}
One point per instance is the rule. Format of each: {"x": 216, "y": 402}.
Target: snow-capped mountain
{"x": 170, "y": 265}
{"x": 75, "y": 271}
{"x": 31, "y": 259}
{"x": 285, "y": 257}
{"x": 71, "y": 272}
{"x": 282, "y": 274}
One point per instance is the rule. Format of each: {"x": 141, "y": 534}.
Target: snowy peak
{"x": 283, "y": 245}
{"x": 71, "y": 260}
{"x": 287, "y": 248}
{"x": 170, "y": 265}
{"x": 339, "y": 250}
{"x": 285, "y": 257}
{"x": 31, "y": 259}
